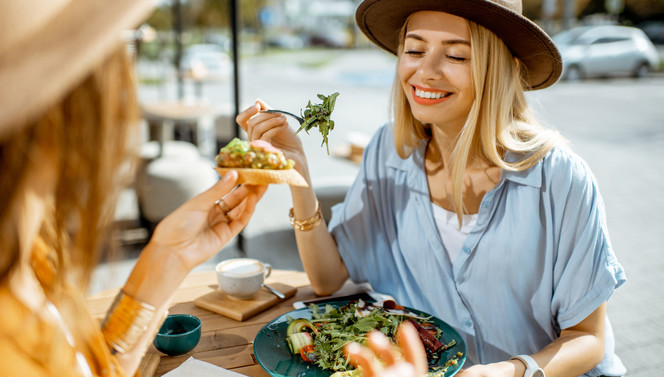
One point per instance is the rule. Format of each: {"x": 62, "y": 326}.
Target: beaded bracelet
{"x": 125, "y": 322}
{"x": 308, "y": 224}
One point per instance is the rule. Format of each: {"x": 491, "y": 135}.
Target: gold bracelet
{"x": 125, "y": 322}
{"x": 308, "y": 224}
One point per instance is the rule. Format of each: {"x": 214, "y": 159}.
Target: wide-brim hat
{"x": 381, "y": 20}
{"x": 48, "y": 46}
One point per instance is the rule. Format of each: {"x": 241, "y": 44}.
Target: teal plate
{"x": 273, "y": 355}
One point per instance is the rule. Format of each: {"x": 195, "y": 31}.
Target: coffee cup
{"x": 241, "y": 278}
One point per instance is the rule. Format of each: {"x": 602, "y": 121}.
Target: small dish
{"x": 178, "y": 335}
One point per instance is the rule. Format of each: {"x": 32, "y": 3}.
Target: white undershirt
{"x": 448, "y": 228}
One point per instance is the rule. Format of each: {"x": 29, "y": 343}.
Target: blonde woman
{"x": 464, "y": 206}
{"x": 67, "y": 126}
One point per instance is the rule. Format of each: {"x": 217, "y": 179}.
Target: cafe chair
{"x": 165, "y": 182}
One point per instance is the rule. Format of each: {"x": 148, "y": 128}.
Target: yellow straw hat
{"x": 381, "y": 20}
{"x": 48, "y": 46}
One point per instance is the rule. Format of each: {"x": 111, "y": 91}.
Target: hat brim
{"x": 36, "y": 74}
{"x": 380, "y": 21}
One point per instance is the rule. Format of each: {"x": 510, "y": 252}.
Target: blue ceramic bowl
{"x": 178, "y": 335}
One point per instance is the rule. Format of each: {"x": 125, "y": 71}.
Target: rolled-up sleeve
{"x": 586, "y": 272}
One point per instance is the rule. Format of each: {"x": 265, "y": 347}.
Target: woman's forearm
{"x": 130, "y": 361}
{"x": 578, "y": 349}
{"x": 154, "y": 279}
{"x": 318, "y": 250}
{"x": 157, "y": 274}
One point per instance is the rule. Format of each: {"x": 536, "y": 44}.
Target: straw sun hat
{"x": 381, "y": 20}
{"x": 49, "y": 46}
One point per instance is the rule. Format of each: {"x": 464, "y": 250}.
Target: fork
{"x": 298, "y": 118}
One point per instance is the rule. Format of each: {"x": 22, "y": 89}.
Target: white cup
{"x": 241, "y": 278}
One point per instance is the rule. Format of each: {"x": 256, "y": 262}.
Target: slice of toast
{"x": 266, "y": 176}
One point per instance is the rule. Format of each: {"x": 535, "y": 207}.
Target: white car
{"x": 606, "y": 50}
{"x": 206, "y": 62}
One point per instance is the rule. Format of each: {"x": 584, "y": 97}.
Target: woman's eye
{"x": 456, "y": 58}
{"x": 413, "y": 52}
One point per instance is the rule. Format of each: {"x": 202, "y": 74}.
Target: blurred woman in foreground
{"x": 68, "y": 120}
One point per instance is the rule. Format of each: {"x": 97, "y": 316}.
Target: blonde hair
{"x": 499, "y": 119}
{"x": 86, "y": 136}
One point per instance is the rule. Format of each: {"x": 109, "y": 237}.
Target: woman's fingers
{"x": 234, "y": 200}
{"x": 260, "y": 124}
{"x": 245, "y": 115}
{"x": 413, "y": 363}
{"x": 364, "y": 359}
{"x": 382, "y": 346}
{"x": 412, "y": 347}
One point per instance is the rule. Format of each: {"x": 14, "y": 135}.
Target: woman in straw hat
{"x": 465, "y": 206}
{"x": 68, "y": 112}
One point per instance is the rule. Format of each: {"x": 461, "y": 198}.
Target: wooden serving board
{"x": 239, "y": 310}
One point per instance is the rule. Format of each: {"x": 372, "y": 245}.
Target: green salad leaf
{"x": 318, "y": 115}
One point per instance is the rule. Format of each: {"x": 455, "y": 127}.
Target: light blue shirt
{"x": 538, "y": 260}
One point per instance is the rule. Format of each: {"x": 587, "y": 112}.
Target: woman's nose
{"x": 431, "y": 67}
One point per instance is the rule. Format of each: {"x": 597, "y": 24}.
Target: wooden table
{"x": 224, "y": 341}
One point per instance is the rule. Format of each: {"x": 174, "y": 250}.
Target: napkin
{"x": 198, "y": 368}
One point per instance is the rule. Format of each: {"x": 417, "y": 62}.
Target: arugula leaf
{"x": 318, "y": 115}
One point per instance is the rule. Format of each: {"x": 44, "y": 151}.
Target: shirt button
{"x": 469, "y": 324}
{"x": 486, "y": 205}
{"x": 466, "y": 249}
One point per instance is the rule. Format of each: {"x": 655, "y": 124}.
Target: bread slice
{"x": 266, "y": 176}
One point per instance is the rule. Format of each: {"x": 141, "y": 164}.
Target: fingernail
{"x": 353, "y": 347}
{"x": 378, "y": 338}
{"x": 228, "y": 176}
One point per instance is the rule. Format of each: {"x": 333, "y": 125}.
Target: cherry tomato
{"x": 307, "y": 353}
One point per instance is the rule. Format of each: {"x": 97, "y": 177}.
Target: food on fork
{"x": 318, "y": 115}
{"x": 257, "y": 163}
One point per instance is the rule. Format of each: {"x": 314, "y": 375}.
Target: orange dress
{"x": 39, "y": 344}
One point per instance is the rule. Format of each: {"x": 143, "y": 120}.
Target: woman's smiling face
{"x": 434, "y": 69}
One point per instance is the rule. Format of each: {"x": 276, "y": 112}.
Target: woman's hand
{"x": 408, "y": 360}
{"x": 190, "y": 235}
{"x": 274, "y": 128}
{"x": 203, "y": 225}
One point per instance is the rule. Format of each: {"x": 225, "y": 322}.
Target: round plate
{"x": 273, "y": 355}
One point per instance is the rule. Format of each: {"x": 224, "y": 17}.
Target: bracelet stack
{"x": 126, "y": 321}
{"x": 308, "y": 224}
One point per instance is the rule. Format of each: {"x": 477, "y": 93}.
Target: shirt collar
{"x": 529, "y": 177}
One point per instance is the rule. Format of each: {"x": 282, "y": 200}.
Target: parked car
{"x": 606, "y": 50}
{"x": 285, "y": 41}
{"x": 206, "y": 62}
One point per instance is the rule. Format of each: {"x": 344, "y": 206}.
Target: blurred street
{"x": 616, "y": 125}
